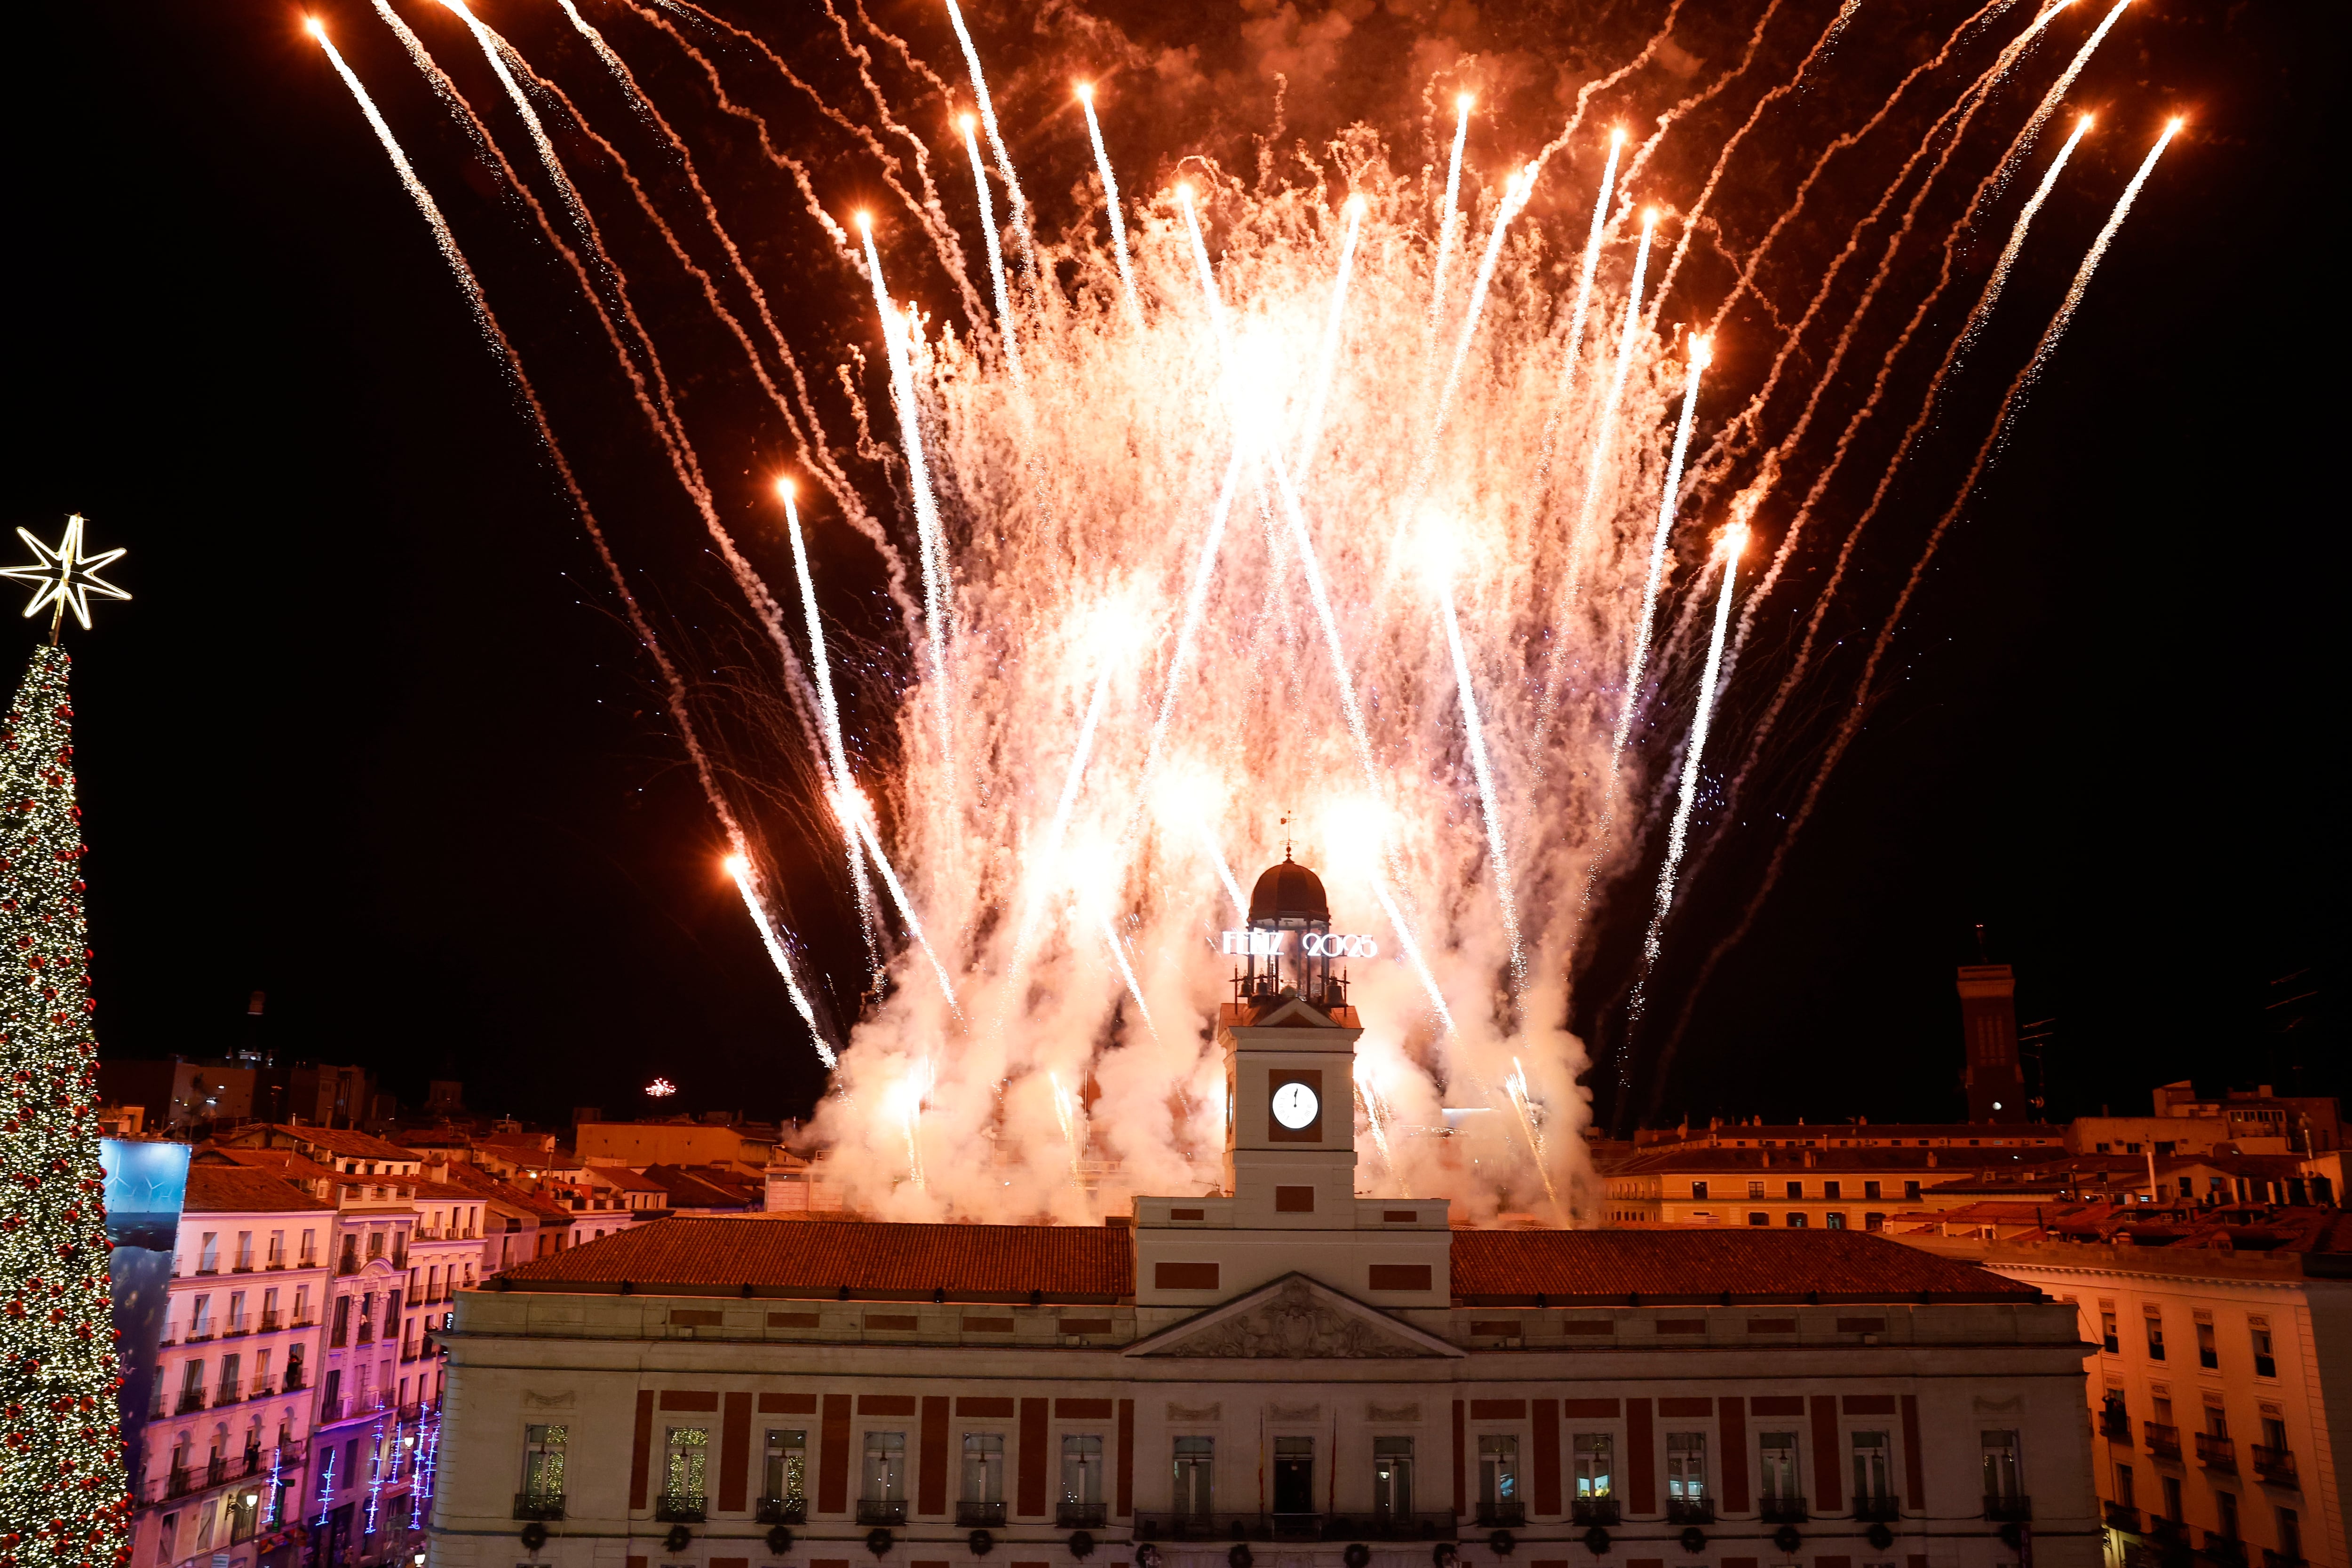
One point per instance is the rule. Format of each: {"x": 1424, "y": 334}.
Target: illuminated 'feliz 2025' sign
{"x": 1311, "y": 944}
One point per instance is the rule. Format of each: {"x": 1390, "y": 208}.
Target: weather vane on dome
{"x": 64, "y": 576}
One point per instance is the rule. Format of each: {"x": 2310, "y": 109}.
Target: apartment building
{"x": 225, "y": 1444}
{"x": 1796, "y": 1188}
{"x": 2220, "y": 1390}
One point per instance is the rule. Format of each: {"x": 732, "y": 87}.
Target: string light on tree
{"x": 63, "y": 1501}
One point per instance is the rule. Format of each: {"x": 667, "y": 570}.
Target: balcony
{"x": 1079, "y": 1516}
{"x": 2115, "y": 1426}
{"x": 348, "y": 1264}
{"x": 878, "y": 1511}
{"x": 2217, "y": 1453}
{"x": 1690, "y": 1511}
{"x": 215, "y": 1471}
{"x": 1429, "y": 1524}
{"x": 179, "y": 1483}
{"x": 2222, "y": 1549}
{"x": 1509, "y": 1514}
{"x": 1883, "y": 1508}
{"x": 329, "y": 1411}
{"x": 684, "y": 1507}
{"x": 2006, "y": 1507}
{"x": 2276, "y": 1466}
{"x": 2163, "y": 1441}
{"x": 294, "y": 1377}
{"x": 1782, "y": 1509}
{"x": 546, "y": 1506}
{"x": 191, "y": 1401}
{"x": 272, "y": 1322}
{"x": 795, "y": 1510}
{"x": 225, "y": 1394}
{"x": 980, "y": 1516}
{"x": 2119, "y": 1517}
{"x": 1588, "y": 1511}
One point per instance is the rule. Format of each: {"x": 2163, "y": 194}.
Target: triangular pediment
{"x": 1295, "y": 1318}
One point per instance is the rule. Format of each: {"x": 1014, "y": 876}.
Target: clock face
{"x": 1294, "y": 1105}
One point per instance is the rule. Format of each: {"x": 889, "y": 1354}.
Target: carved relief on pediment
{"x": 1297, "y": 1322}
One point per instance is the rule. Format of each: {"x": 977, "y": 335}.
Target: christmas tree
{"x": 63, "y": 1503}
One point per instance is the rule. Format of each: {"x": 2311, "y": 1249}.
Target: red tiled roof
{"x": 226, "y": 1189}
{"x": 283, "y": 1162}
{"x": 1498, "y": 1268}
{"x": 873, "y": 1260}
{"x": 1075, "y": 1263}
{"x": 343, "y": 1140}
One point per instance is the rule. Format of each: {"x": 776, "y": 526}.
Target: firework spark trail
{"x": 915, "y": 64}
{"x": 1802, "y": 662}
{"x": 1375, "y": 1115}
{"x": 891, "y": 125}
{"x": 1636, "y": 660}
{"x": 2011, "y": 403}
{"x": 1666, "y": 122}
{"x": 1110, "y": 205}
{"x": 853, "y": 808}
{"x": 1188, "y": 630}
{"x": 1706, "y": 191}
{"x": 1516, "y": 1085}
{"x": 926, "y": 210}
{"x": 1678, "y": 834}
{"x": 794, "y": 167}
{"x": 1224, "y": 873}
{"x": 1605, "y": 429}
{"x": 1710, "y": 463}
{"x": 673, "y": 694}
{"x": 1412, "y": 946}
{"x": 666, "y": 424}
{"x": 821, "y": 665}
{"x": 930, "y": 544}
{"x": 800, "y": 415}
{"x": 1574, "y": 354}
{"x": 1310, "y": 439}
{"x": 739, "y": 866}
{"x": 1047, "y": 862}
{"x": 1008, "y": 333}
{"x": 1490, "y": 806}
{"x": 2023, "y": 145}
{"x": 1127, "y": 973}
{"x": 1514, "y": 197}
{"x": 1016, "y": 206}
{"x": 1445, "y": 220}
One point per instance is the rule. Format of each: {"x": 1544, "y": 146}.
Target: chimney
{"x": 1996, "y": 1084}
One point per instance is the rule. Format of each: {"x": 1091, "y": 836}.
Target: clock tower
{"x": 1287, "y": 1202}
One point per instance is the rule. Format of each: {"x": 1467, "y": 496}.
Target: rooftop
{"x": 242, "y": 1190}
{"x": 341, "y": 1142}
{"x": 873, "y": 1260}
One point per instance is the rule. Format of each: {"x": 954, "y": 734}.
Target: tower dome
{"x": 1289, "y": 892}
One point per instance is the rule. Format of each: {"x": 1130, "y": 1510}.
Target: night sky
{"x": 373, "y": 739}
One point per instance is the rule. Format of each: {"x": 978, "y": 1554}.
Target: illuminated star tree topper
{"x": 64, "y": 576}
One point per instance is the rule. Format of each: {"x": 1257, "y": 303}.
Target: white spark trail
{"x": 1577, "y": 312}
{"x": 1007, "y": 328}
{"x": 1489, "y": 802}
{"x": 740, "y": 867}
{"x": 1637, "y": 660}
{"x": 1311, "y": 440}
{"x": 1446, "y": 218}
{"x": 1678, "y": 833}
{"x": 931, "y": 542}
{"x": 1127, "y": 973}
{"x": 829, "y": 714}
{"x": 2026, "y": 138}
{"x": 2000, "y": 268}
{"x": 1018, "y": 207}
{"x": 1188, "y": 630}
{"x": 1110, "y": 205}
{"x": 1515, "y": 198}
{"x": 851, "y": 808}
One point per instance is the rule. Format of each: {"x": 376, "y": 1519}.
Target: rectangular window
{"x": 1870, "y": 1468}
{"x": 1833, "y": 1189}
{"x": 983, "y": 1466}
{"x": 200, "y": 1321}
{"x": 1758, "y": 1217}
{"x": 1082, "y": 1472}
{"x": 685, "y": 1466}
{"x": 208, "y": 1253}
{"x": 1910, "y": 1192}
{"x": 2155, "y": 1334}
{"x": 2124, "y": 1486}
{"x": 784, "y": 1470}
{"x": 1870, "y": 1193}
{"x": 310, "y": 1248}
{"x": 236, "y": 1324}
{"x": 1796, "y": 1219}
{"x": 1499, "y": 1476}
{"x": 2172, "y": 1499}
{"x": 886, "y": 1467}
{"x": 2265, "y": 1365}
{"x": 1698, "y": 1192}
{"x": 1594, "y": 1454}
{"x": 1777, "y": 1469}
{"x": 1195, "y": 1492}
{"x": 1392, "y": 1478}
{"x": 228, "y": 1372}
{"x": 1834, "y": 1220}
{"x": 1796, "y": 1189}
{"x": 2289, "y": 1534}
{"x": 2208, "y": 1353}
{"x": 1756, "y": 1189}
{"x": 2227, "y": 1503}
{"x": 1293, "y": 1475}
{"x": 244, "y": 1249}
{"x": 2110, "y": 1339}
{"x": 2000, "y": 1474}
{"x": 1873, "y": 1221}
{"x": 542, "y": 1465}
{"x": 1685, "y": 1468}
